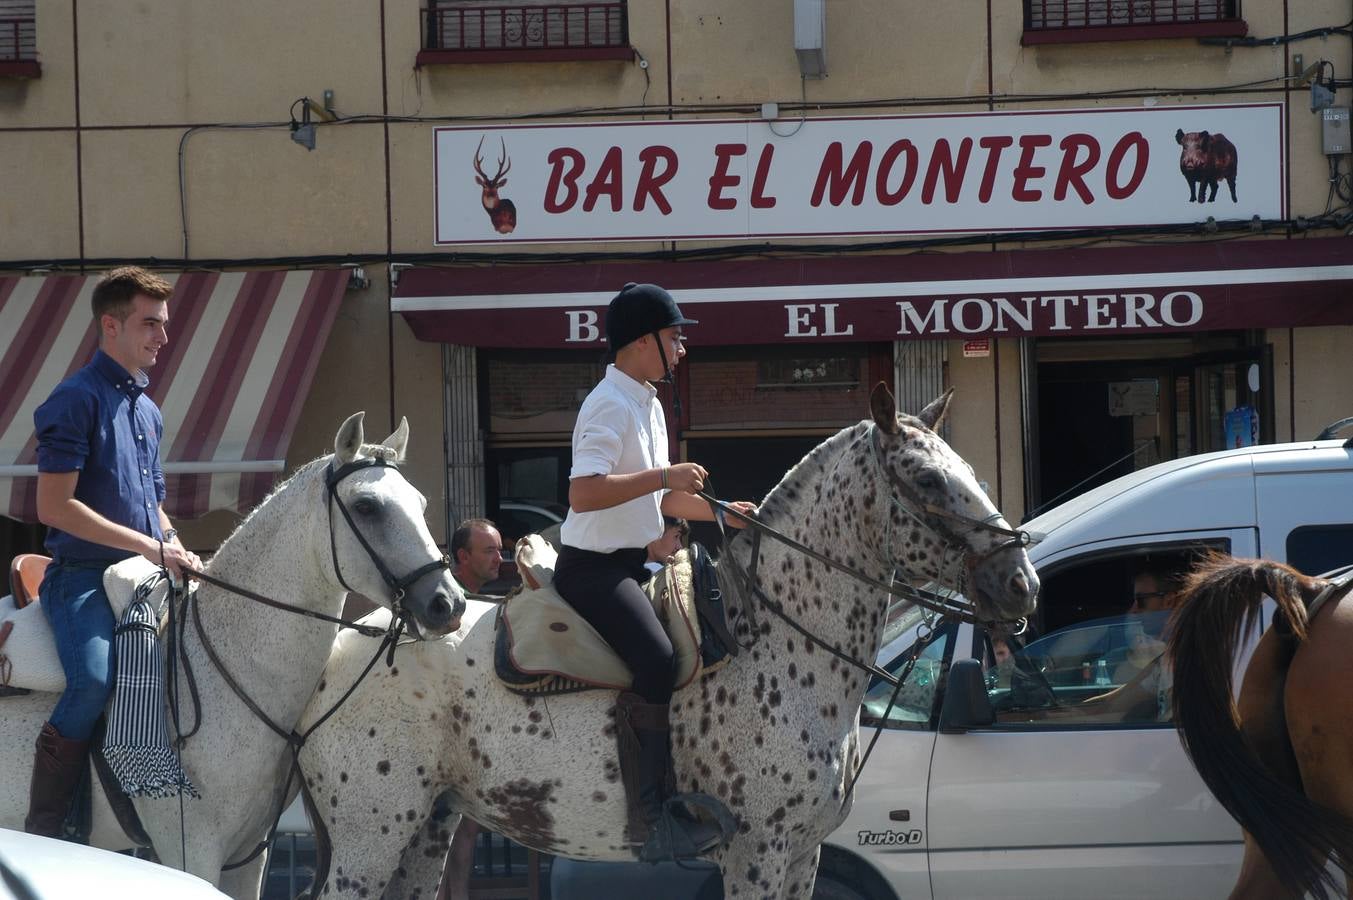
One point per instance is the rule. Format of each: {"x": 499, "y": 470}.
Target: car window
{"x": 1320, "y": 548}
{"x": 1105, "y": 671}
{"x": 915, "y": 703}
{"x": 1098, "y": 658}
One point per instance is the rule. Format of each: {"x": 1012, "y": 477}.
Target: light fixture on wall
{"x": 303, "y": 132}
{"x": 1322, "y": 97}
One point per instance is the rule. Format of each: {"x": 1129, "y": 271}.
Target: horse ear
{"x": 884, "y": 409}
{"x": 348, "y": 441}
{"x": 399, "y": 440}
{"x": 935, "y": 410}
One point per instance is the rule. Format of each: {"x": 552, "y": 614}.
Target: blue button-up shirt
{"x": 98, "y": 422}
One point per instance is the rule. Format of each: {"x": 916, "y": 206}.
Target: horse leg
{"x": 420, "y": 864}
{"x": 801, "y": 875}
{"x": 245, "y": 882}
{"x": 772, "y": 874}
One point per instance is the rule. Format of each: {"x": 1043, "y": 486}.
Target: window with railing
{"x": 18, "y": 37}
{"x": 479, "y": 31}
{"x": 1054, "y": 21}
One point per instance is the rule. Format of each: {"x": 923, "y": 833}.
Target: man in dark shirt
{"x": 100, "y": 490}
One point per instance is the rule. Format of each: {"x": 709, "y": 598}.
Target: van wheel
{"x": 828, "y": 888}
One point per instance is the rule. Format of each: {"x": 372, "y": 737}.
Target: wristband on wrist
{"x": 171, "y": 534}
{"x": 663, "y": 472}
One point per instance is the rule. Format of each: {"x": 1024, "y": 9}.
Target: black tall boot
{"x": 57, "y": 764}
{"x": 659, "y": 819}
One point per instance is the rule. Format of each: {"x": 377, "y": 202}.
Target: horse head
{"x": 941, "y": 525}
{"x": 380, "y": 541}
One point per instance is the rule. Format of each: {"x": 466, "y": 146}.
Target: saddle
{"x": 28, "y": 657}
{"x": 543, "y": 646}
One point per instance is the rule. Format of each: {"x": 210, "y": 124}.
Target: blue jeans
{"x": 82, "y": 623}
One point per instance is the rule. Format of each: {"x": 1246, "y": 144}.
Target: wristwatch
{"x": 171, "y": 534}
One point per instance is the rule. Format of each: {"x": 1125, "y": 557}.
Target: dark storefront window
{"x": 825, "y": 386}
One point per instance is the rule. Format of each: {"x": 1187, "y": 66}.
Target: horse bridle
{"x": 398, "y": 586}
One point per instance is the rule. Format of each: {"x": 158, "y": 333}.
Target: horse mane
{"x": 304, "y": 471}
{"x": 788, "y": 489}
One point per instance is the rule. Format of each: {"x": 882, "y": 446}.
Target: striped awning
{"x": 242, "y": 352}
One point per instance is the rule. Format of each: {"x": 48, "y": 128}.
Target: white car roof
{"x": 56, "y": 870}
{"x": 1206, "y": 491}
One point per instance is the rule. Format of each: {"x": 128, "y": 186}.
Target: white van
{"x": 1054, "y": 798}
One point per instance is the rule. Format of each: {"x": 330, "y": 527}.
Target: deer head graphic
{"x": 502, "y": 213}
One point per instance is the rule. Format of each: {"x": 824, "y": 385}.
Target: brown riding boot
{"x": 56, "y": 773}
{"x": 659, "y": 821}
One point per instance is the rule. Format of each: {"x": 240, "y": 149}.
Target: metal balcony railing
{"x": 18, "y": 39}
{"x": 558, "y": 26}
{"x": 1057, "y": 14}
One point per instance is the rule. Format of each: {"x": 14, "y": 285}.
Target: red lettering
{"x": 1133, "y": 140}
{"x": 886, "y": 162}
{"x": 942, "y": 162}
{"x": 566, "y": 164}
{"x": 759, "y": 198}
{"x": 1026, "y": 171}
{"x": 723, "y": 154}
{"x": 651, "y": 181}
{"x": 838, "y": 178}
{"x": 606, "y": 181}
{"x": 993, "y": 146}
{"x": 1073, "y": 173}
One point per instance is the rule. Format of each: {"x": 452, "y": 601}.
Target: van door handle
{"x": 900, "y": 815}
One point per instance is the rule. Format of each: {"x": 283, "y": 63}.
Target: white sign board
{"x": 980, "y": 172}
{"x": 1134, "y": 398}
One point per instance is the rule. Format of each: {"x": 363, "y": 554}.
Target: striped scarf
{"x": 136, "y": 744}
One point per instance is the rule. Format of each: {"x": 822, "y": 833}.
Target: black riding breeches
{"x": 604, "y": 589}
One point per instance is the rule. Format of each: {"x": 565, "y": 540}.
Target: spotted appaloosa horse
{"x": 773, "y": 734}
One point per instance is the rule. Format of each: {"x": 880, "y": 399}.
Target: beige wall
{"x": 151, "y": 70}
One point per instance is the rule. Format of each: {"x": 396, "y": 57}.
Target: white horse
{"x": 773, "y": 733}
{"x": 290, "y": 548}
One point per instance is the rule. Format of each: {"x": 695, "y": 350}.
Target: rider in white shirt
{"x": 620, "y": 486}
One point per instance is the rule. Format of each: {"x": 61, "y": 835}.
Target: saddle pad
{"x": 541, "y": 637}
{"x": 31, "y": 649}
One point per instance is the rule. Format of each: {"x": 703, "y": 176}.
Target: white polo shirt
{"x": 620, "y": 430}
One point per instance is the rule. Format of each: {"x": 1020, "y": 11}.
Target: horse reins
{"x": 947, "y": 607}
{"x": 390, "y": 636}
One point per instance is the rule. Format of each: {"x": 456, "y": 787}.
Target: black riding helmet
{"x": 641, "y": 309}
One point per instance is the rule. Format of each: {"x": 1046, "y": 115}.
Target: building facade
{"x": 1117, "y": 229}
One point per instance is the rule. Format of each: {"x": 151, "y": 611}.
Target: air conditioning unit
{"x": 810, "y": 37}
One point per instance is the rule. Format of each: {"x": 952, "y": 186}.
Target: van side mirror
{"x": 966, "y": 704}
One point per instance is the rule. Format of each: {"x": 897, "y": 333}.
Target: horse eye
{"x": 929, "y": 481}
{"x": 365, "y": 506}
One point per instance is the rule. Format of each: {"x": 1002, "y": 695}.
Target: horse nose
{"x": 1020, "y": 588}
{"x": 439, "y": 611}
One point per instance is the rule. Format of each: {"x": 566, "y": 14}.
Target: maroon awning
{"x": 1154, "y": 289}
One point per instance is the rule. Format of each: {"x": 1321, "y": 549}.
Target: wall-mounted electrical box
{"x": 1334, "y": 131}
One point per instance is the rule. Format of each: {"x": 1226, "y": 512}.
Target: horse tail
{"x": 1221, "y": 599}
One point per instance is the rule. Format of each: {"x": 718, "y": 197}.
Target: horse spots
{"x": 333, "y": 800}
{"x": 383, "y": 767}
{"x": 470, "y": 662}
{"x": 371, "y": 732}
{"x": 322, "y": 685}
{"x": 598, "y": 797}
{"x": 343, "y": 777}
{"x": 611, "y": 770}
{"x": 523, "y": 806}
{"x": 394, "y": 671}
{"x": 419, "y": 695}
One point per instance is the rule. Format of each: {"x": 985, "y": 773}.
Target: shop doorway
{"x": 1100, "y": 418}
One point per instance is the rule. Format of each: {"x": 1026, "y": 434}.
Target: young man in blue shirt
{"x": 100, "y": 494}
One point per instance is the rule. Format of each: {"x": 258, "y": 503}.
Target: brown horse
{"x": 1280, "y": 760}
